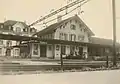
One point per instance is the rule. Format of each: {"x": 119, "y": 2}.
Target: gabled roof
{"x": 13, "y": 22}
{"x": 103, "y": 41}
{"x": 53, "y": 27}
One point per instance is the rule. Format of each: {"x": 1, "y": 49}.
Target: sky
{"x": 97, "y": 13}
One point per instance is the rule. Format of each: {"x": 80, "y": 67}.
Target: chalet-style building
{"x": 69, "y": 36}
{"x": 11, "y": 27}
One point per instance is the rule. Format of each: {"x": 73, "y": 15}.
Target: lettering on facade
{"x": 42, "y": 42}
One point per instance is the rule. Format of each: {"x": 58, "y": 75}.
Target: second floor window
{"x": 2, "y": 26}
{"x": 63, "y": 36}
{"x": 72, "y": 37}
{"x": 80, "y": 38}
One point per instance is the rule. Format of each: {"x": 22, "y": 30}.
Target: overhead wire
{"x": 66, "y": 13}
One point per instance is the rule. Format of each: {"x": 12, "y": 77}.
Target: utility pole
{"x": 61, "y": 58}
{"x": 114, "y": 32}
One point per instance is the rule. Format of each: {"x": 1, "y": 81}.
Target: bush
{"x": 73, "y": 57}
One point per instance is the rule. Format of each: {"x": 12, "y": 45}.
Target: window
{"x": 2, "y": 26}
{"x": 81, "y": 29}
{"x": 35, "y": 49}
{"x": 0, "y": 51}
{"x": 17, "y": 42}
{"x": 75, "y": 21}
{"x": 80, "y": 25}
{"x": 80, "y": 38}
{"x": 49, "y": 36}
{"x": 9, "y": 27}
{"x": 60, "y": 26}
{"x": 9, "y": 43}
{"x": 73, "y": 27}
{"x": 64, "y": 26}
{"x": 72, "y": 37}
{"x": 18, "y": 29}
{"x": 16, "y": 51}
{"x": 84, "y": 30}
{"x": 24, "y": 30}
{"x": 65, "y": 36}
{"x": 1, "y": 42}
{"x": 61, "y": 36}
{"x": 66, "y": 23}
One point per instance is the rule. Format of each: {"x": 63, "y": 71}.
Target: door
{"x": 72, "y": 50}
{"x": 80, "y": 50}
{"x": 8, "y": 52}
{"x": 43, "y": 49}
{"x": 63, "y": 49}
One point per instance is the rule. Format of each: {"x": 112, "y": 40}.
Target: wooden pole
{"x": 114, "y": 32}
{"x": 61, "y": 58}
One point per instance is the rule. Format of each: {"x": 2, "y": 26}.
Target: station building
{"x": 69, "y": 36}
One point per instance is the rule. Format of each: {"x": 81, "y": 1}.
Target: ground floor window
{"x": 16, "y": 51}
{"x": 35, "y": 49}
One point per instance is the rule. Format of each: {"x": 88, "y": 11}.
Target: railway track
{"x": 6, "y": 67}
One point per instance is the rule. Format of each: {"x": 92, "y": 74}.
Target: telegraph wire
{"x": 66, "y": 13}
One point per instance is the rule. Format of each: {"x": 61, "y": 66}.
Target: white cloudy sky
{"x": 97, "y": 13}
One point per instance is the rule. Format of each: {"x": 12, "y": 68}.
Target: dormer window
{"x": 73, "y": 27}
{"x": 2, "y": 26}
{"x": 9, "y": 27}
{"x": 18, "y": 29}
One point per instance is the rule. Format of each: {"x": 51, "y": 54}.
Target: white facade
{"x": 6, "y": 47}
{"x": 70, "y": 30}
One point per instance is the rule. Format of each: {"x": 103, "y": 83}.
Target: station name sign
{"x": 42, "y": 42}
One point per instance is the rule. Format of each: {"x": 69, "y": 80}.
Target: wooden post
{"x": 114, "y": 32}
{"x": 61, "y": 58}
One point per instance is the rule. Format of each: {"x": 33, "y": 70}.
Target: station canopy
{"x": 17, "y": 37}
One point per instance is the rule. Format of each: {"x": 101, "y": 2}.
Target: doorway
{"x": 43, "y": 50}
{"x": 63, "y": 49}
{"x": 80, "y": 50}
{"x": 8, "y": 52}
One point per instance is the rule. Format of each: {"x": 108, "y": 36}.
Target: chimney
{"x": 59, "y": 18}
